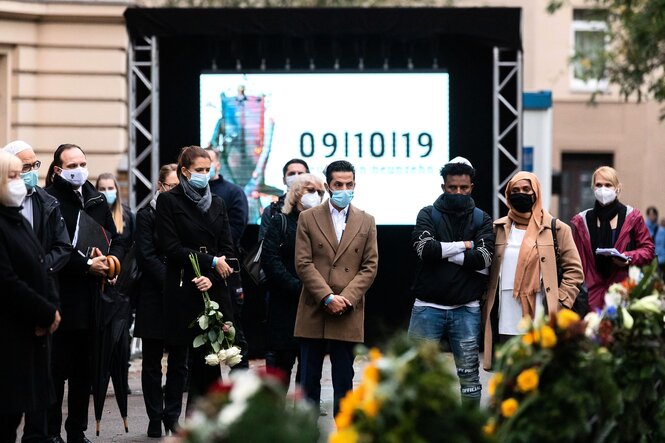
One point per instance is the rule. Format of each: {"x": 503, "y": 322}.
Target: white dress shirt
{"x": 338, "y": 219}
{"x": 26, "y": 210}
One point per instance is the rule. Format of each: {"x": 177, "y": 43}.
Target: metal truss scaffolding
{"x": 143, "y": 73}
{"x": 507, "y": 124}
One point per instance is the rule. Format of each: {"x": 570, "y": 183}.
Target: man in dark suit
{"x": 336, "y": 259}
{"x": 80, "y": 280}
{"x": 43, "y": 213}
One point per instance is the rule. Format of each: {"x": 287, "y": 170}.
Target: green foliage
{"x": 635, "y": 53}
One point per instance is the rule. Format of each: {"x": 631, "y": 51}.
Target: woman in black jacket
{"x": 278, "y": 262}
{"x": 190, "y": 219}
{"x": 161, "y": 405}
{"x": 26, "y": 316}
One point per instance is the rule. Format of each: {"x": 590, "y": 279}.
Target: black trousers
{"x": 163, "y": 404}
{"x": 284, "y": 359}
{"x": 236, "y": 292}
{"x": 35, "y": 427}
{"x": 8, "y": 424}
{"x": 312, "y": 353}
{"x": 71, "y": 361}
{"x": 201, "y": 375}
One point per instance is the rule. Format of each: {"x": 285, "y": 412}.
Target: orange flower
{"x": 374, "y": 354}
{"x": 489, "y": 428}
{"x": 509, "y": 407}
{"x": 531, "y": 337}
{"x": 565, "y": 318}
{"x": 547, "y": 337}
{"x": 343, "y": 419}
{"x": 527, "y": 381}
{"x": 495, "y": 381}
{"x": 349, "y": 435}
{"x": 371, "y": 407}
{"x": 371, "y": 373}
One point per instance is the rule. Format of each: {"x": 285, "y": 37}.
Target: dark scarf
{"x": 601, "y": 236}
{"x": 202, "y": 201}
{"x": 458, "y": 219}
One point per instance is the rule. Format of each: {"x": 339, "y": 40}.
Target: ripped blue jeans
{"x": 461, "y": 328}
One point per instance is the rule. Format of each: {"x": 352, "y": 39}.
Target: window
{"x": 589, "y": 39}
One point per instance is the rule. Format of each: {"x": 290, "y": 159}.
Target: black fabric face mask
{"x": 456, "y": 201}
{"x": 522, "y": 202}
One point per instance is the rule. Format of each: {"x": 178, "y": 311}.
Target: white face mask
{"x": 605, "y": 196}
{"x": 76, "y": 176}
{"x": 289, "y": 180}
{"x": 310, "y": 200}
{"x": 16, "y": 192}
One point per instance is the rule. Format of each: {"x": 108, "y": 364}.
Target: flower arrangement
{"x": 408, "y": 395}
{"x": 632, "y": 327}
{"x": 216, "y": 334}
{"x": 252, "y": 408}
{"x": 553, "y": 384}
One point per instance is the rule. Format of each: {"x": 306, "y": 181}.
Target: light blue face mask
{"x": 30, "y": 179}
{"x": 341, "y": 199}
{"x": 199, "y": 181}
{"x": 111, "y": 196}
{"x": 213, "y": 172}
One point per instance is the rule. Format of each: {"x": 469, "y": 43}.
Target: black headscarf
{"x": 601, "y": 236}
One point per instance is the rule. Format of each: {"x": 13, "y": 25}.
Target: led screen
{"x": 393, "y": 127}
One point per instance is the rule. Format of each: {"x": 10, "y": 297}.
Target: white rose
{"x": 212, "y": 360}
{"x": 231, "y": 413}
{"x": 612, "y": 299}
{"x": 232, "y": 361}
{"x": 245, "y": 385}
{"x": 635, "y": 273}
{"x": 221, "y": 355}
{"x": 650, "y": 303}
{"x": 592, "y": 320}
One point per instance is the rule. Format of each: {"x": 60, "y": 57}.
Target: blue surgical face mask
{"x": 199, "y": 181}
{"x": 341, "y": 199}
{"x": 30, "y": 179}
{"x": 213, "y": 171}
{"x": 111, "y": 196}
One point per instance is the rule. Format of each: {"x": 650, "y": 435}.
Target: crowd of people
{"x": 59, "y": 247}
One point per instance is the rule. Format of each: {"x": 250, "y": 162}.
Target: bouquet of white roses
{"x": 218, "y": 335}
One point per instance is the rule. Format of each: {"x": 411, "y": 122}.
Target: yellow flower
{"x": 371, "y": 407}
{"x": 547, "y": 337}
{"x": 343, "y": 419}
{"x": 349, "y": 435}
{"x": 489, "y": 428}
{"x": 527, "y": 381}
{"x": 371, "y": 374}
{"x": 566, "y": 317}
{"x": 495, "y": 381}
{"x": 375, "y": 354}
{"x": 349, "y": 402}
{"x": 509, "y": 407}
{"x": 531, "y": 337}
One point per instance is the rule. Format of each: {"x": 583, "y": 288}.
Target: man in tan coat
{"x": 336, "y": 259}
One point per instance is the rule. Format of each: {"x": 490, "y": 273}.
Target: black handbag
{"x": 252, "y": 261}
{"x": 128, "y": 280}
{"x": 581, "y": 304}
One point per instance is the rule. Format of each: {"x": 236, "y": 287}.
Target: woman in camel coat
{"x": 523, "y": 278}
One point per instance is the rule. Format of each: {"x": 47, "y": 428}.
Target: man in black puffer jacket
{"x": 454, "y": 242}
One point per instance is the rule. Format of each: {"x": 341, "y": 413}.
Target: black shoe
{"x": 170, "y": 428}
{"x": 155, "y": 429}
{"x": 55, "y": 439}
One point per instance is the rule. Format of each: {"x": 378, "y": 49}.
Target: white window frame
{"x": 577, "y": 84}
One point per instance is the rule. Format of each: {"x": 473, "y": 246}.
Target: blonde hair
{"x": 8, "y": 162}
{"x": 608, "y": 173}
{"x": 295, "y": 192}
{"x": 116, "y": 207}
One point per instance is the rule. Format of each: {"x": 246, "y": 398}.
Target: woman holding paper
{"x": 609, "y": 237}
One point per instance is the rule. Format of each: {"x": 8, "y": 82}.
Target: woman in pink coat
{"x": 609, "y": 224}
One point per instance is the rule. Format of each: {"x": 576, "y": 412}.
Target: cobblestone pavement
{"x": 112, "y": 429}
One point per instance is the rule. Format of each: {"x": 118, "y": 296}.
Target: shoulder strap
{"x": 478, "y": 217}
{"x": 283, "y": 220}
{"x": 436, "y": 218}
{"x": 557, "y": 253}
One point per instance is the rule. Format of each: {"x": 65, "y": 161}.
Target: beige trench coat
{"x": 326, "y": 267}
{"x": 555, "y": 295}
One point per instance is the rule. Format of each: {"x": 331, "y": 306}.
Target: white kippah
{"x": 459, "y": 159}
{"x": 16, "y": 146}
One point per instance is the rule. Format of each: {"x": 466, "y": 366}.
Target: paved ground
{"x": 112, "y": 426}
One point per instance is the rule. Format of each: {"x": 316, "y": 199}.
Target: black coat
{"x": 77, "y": 287}
{"x": 49, "y": 227}
{"x": 236, "y": 203}
{"x": 183, "y": 229}
{"x": 150, "y": 300}
{"x": 24, "y": 373}
{"x": 278, "y": 262}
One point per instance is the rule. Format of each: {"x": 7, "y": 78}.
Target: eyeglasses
{"x": 27, "y": 167}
